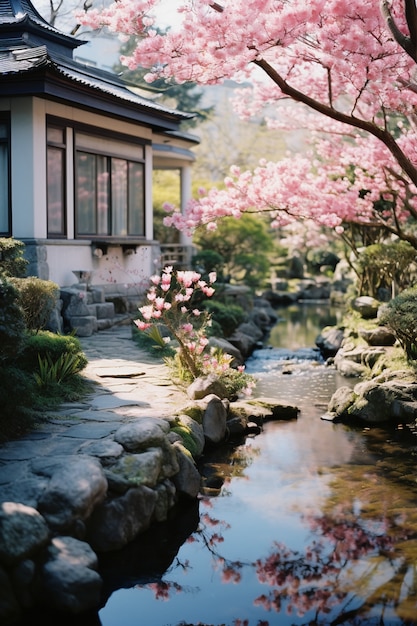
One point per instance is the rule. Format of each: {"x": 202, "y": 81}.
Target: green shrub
{"x": 226, "y": 316}
{"x": 187, "y": 438}
{"x": 45, "y": 345}
{"x": 12, "y": 325}
{"x": 400, "y": 315}
{"x": 385, "y": 266}
{"x": 56, "y": 372}
{"x": 12, "y": 262}
{"x": 38, "y": 298}
{"x": 207, "y": 261}
{"x": 153, "y": 341}
{"x": 16, "y": 389}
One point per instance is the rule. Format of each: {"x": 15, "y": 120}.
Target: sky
{"x": 166, "y": 11}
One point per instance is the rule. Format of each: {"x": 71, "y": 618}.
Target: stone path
{"x": 129, "y": 384}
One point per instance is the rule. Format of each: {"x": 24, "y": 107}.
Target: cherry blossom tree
{"x": 352, "y": 63}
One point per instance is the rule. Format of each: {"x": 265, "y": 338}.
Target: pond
{"x": 312, "y": 522}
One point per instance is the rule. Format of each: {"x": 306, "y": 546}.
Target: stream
{"x": 311, "y": 523}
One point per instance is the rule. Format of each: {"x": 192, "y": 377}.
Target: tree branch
{"x": 217, "y": 7}
{"x": 369, "y": 127}
{"x": 411, "y": 17}
{"x": 408, "y": 44}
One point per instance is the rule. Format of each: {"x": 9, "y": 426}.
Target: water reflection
{"x": 298, "y": 325}
{"x": 311, "y": 523}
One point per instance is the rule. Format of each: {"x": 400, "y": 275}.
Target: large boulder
{"x": 330, "y": 340}
{"x": 378, "y": 401}
{"x": 118, "y": 521}
{"x": 70, "y": 581}
{"x": 143, "y": 468}
{"x": 206, "y": 386}
{"x": 142, "y": 433}
{"x": 227, "y": 348}
{"x": 23, "y": 532}
{"x": 214, "y": 420}
{"x": 187, "y": 427}
{"x": 366, "y": 306}
{"x": 77, "y": 484}
{"x": 379, "y": 336}
{"x": 187, "y": 481}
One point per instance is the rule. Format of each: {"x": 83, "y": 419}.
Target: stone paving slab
{"x": 92, "y": 430}
{"x": 129, "y": 383}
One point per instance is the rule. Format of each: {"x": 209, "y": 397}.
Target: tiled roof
{"x": 23, "y": 61}
{"x": 16, "y": 10}
{"x": 23, "y": 57}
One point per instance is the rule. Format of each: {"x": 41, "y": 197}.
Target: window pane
{"x": 102, "y": 196}
{"x": 4, "y": 188}
{"x": 86, "y": 194}
{"x": 119, "y": 197}
{"x": 56, "y": 191}
{"x": 136, "y": 200}
{"x": 55, "y": 135}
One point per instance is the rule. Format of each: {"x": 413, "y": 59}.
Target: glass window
{"x": 56, "y": 165}
{"x": 109, "y": 189}
{"x": 136, "y": 200}
{"x": 5, "y": 221}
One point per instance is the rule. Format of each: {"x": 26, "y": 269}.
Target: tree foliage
{"x": 245, "y": 245}
{"x": 186, "y": 97}
{"x": 352, "y": 63}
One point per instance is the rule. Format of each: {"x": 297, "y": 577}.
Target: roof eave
{"x": 50, "y": 85}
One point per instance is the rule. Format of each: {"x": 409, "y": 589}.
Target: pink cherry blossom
{"x": 348, "y": 68}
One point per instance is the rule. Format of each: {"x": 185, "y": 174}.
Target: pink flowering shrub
{"x": 171, "y": 302}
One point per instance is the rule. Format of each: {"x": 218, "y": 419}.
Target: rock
{"x": 118, "y": 521}
{"x": 227, "y": 348}
{"x": 142, "y": 433}
{"x": 238, "y": 294}
{"x": 280, "y": 298}
{"x": 84, "y": 326}
{"x": 273, "y": 410}
{"x": 263, "y": 315}
{"x": 74, "y": 303}
{"x": 339, "y": 404}
{"x": 214, "y": 420}
{"x": 380, "y": 336}
{"x": 295, "y": 267}
{"x": 330, "y": 341}
{"x": 76, "y": 486}
{"x": 348, "y": 362}
{"x": 188, "y": 479}
{"x": 251, "y": 330}
{"x": 246, "y": 338}
{"x": 237, "y": 426}
{"x": 314, "y": 290}
{"x": 366, "y": 306}
{"x": 348, "y": 368}
{"x": 107, "y": 451}
{"x": 195, "y": 431}
{"x": 371, "y": 355}
{"x": 23, "y": 532}
{"x": 250, "y": 410}
{"x": 166, "y": 497}
{"x": 253, "y": 429}
{"x": 205, "y": 386}
{"x": 69, "y": 580}
{"x": 376, "y": 402}
{"x": 144, "y": 468}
